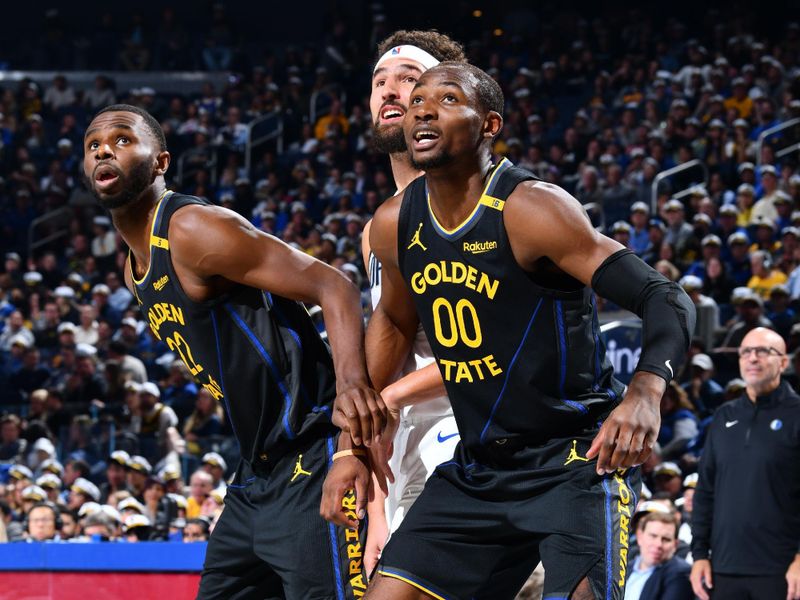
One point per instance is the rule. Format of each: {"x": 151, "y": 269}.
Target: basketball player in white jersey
{"x": 427, "y": 433}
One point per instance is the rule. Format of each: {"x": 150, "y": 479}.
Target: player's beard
{"x": 388, "y": 139}
{"x": 131, "y": 186}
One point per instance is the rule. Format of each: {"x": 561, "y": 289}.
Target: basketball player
{"x": 427, "y": 433}
{"x": 224, "y": 297}
{"x": 497, "y": 267}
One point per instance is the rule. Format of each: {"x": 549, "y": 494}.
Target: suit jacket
{"x": 669, "y": 581}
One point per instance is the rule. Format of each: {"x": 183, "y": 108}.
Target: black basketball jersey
{"x": 258, "y": 353}
{"x": 518, "y": 360}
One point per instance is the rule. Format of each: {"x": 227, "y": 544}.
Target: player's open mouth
{"x": 425, "y": 138}
{"x": 105, "y": 177}
{"x": 392, "y": 113}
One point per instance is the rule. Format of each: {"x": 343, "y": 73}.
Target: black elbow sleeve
{"x": 667, "y": 313}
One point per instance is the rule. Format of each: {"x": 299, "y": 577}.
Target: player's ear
{"x": 162, "y": 162}
{"x": 492, "y": 124}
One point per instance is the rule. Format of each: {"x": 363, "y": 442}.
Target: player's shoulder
{"x": 390, "y": 209}
{"x": 197, "y": 219}
{"x": 541, "y": 193}
{"x": 537, "y": 202}
{"x": 383, "y": 228}
{"x": 387, "y": 216}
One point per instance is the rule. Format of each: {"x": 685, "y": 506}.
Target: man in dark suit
{"x": 657, "y": 574}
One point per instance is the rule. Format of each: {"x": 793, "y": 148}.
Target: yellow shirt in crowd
{"x": 763, "y": 286}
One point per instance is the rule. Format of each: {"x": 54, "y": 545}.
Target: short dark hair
{"x": 438, "y": 45}
{"x": 202, "y": 523}
{"x": 49, "y": 505}
{"x": 118, "y": 347}
{"x": 490, "y": 96}
{"x": 149, "y": 120}
{"x": 81, "y": 466}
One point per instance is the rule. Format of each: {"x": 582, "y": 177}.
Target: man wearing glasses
{"x": 746, "y": 518}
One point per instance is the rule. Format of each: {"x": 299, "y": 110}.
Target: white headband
{"x": 411, "y": 52}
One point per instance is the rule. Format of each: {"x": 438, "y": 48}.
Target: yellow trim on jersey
{"x": 159, "y": 242}
{"x": 480, "y": 203}
{"x": 492, "y": 202}
{"x": 153, "y": 241}
{"x": 457, "y": 227}
{"x": 414, "y": 583}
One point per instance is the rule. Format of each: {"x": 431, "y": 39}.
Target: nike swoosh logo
{"x": 669, "y": 366}
{"x": 731, "y": 423}
{"x": 444, "y": 438}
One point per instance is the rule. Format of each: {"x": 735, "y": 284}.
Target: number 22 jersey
{"x": 256, "y": 352}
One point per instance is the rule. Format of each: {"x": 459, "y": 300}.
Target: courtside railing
{"x": 670, "y": 174}
{"x": 260, "y": 131}
{"x": 55, "y": 225}
{"x": 793, "y": 143}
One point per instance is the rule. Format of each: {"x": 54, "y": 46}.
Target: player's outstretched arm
{"x": 545, "y": 222}
{"x": 209, "y": 244}
{"x": 415, "y": 388}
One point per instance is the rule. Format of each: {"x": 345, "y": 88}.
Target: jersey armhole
{"x": 403, "y": 219}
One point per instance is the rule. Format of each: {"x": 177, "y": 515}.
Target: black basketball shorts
{"x": 480, "y": 527}
{"x": 271, "y": 542}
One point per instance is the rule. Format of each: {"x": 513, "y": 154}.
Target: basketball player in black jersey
{"x": 497, "y": 266}
{"x": 225, "y": 298}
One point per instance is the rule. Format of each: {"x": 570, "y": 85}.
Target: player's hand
{"x": 701, "y": 574}
{"x": 379, "y": 454}
{"x": 377, "y": 534}
{"x": 628, "y": 434}
{"x": 360, "y": 411}
{"x": 347, "y": 473}
{"x": 793, "y": 579}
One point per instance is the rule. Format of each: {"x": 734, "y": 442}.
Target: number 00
{"x": 456, "y": 323}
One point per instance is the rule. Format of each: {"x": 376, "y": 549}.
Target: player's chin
{"x": 430, "y": 160}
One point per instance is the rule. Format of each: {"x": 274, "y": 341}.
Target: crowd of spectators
{"x": 599, "y": 107}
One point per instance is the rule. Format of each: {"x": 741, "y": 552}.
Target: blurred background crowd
{"x": 102, "y": 419}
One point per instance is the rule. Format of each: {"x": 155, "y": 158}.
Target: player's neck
{"x": 455, "y": 189}
{"x": 133, "y": 221}
{"x": 402, "y": 171}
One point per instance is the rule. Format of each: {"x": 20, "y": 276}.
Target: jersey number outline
{"x": 177, "y": 343}
{"x": 457, "y": 326}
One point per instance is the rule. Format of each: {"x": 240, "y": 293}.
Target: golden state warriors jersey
{"x": 258, "y": 353}
{"x": 519, "y": 360}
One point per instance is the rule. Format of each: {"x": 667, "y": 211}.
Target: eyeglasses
{"x": 760, "y": 351}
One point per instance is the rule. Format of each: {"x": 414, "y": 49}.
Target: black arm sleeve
{"x": 667, "y": 313}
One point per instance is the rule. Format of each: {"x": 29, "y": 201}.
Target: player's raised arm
{"x": 245, "y": 255}
{"x": 544, "y": 222}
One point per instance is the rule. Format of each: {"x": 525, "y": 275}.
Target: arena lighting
{"x": 477, "y": 13}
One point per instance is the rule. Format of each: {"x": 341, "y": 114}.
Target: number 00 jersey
{"x": 519, "y": 360}
{"x": 258, "y": 353}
